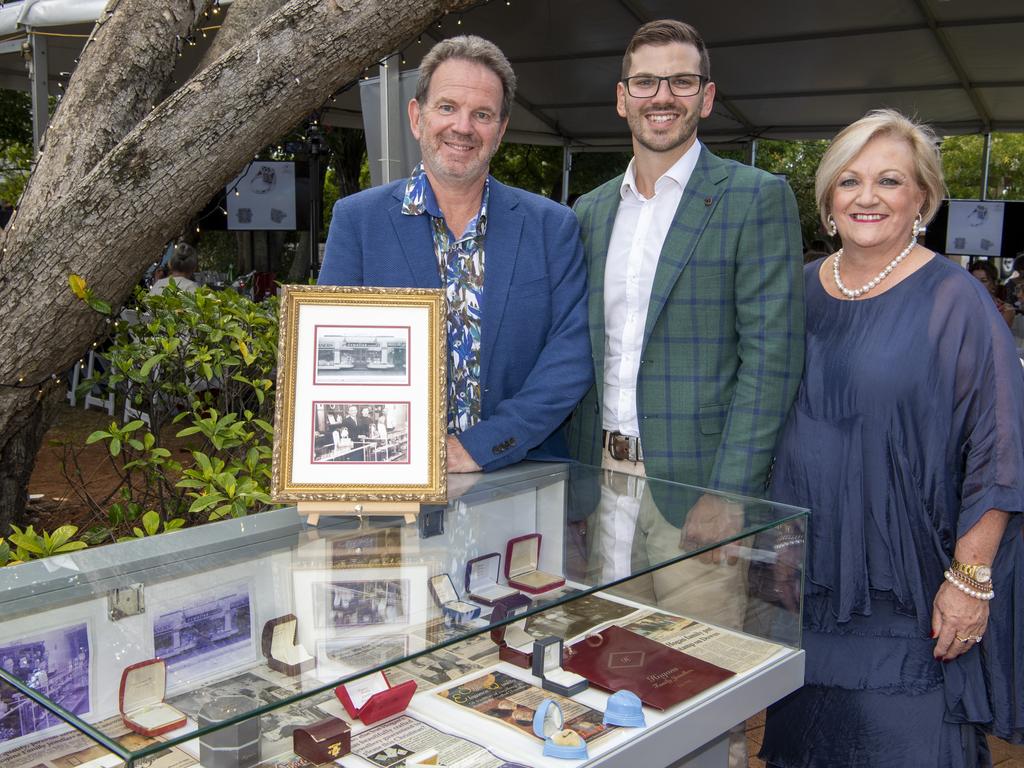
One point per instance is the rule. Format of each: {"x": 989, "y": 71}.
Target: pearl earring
{"x": 919, "y": 227}
{"x": 832, "y": 228}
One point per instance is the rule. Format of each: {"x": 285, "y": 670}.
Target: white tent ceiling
{"x": 785, "y": 69}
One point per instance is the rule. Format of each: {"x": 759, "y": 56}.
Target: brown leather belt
{"x": 623, "y": 447}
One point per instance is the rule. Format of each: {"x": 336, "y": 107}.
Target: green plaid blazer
{"x": 724, "y": 340}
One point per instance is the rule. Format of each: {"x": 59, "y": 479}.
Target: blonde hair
{"x": 849, "y": 142}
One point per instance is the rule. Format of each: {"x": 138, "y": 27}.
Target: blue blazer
{"x": 535, "y": 346}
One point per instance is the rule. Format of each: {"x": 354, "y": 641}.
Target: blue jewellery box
{"x": 455, "y": 611}
{"x": 558, "y": 742}
{"x": 624, "y": 708}
{"x": 547, "y": 665}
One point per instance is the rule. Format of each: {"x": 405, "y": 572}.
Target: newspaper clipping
{"x": 513, "y": 703}
{"x": 729, "y": 650}
{"x": 391, "y": 742}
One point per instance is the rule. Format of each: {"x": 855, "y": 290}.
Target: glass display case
{"x": 387, "y": 641}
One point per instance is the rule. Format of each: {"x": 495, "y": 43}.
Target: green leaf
{"x": 205, "y": 501}
{"x": 115, "y": 446}
{"x": 96, "y": 437}
{"x": 60, "y": 536}
{"x": 148, "y": 365}
{"x": 151, "y": 522}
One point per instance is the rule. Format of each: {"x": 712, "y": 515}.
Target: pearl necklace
{"x": 858, "y": 292}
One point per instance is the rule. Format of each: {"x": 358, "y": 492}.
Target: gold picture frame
{"x": 361, "y": 393}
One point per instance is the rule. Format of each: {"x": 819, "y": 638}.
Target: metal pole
{"x": 753, "y": 152}
{"x": 984, "y": 166}
{"x": 316, "y": 192}
{"x": 35, "y": 51}
{"x": 566, "y": 171}
{"x": 390, "y": 119}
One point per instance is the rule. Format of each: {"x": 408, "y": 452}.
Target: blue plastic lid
{"x": 624, "y": 708}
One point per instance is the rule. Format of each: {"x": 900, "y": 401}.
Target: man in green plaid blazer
{"x": 722, "y": 344}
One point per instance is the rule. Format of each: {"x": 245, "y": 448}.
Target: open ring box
{"x": 482, "y": 585}
{"x": 141, "y": 699}
{"x": 371, "y": 698}
{"x": 455, "y": 611}
{"x": 547, "y": 665}
{"x": 281, "y": 648}
{"x": 522, "y": 557}
{"x": 547, "y": 725}
{"x": 515, "y": 645}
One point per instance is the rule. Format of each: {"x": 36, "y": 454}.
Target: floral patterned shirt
{"x": 460, "y": 262}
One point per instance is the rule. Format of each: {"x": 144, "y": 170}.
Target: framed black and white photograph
{"x": 361, "y": 395}
{"x": 55, "y": 663}
{"x": 364, "y": 433}
{"x": 348, "y": 354}
{"x": 361, "y": 604}
{"x": 369, "y": 603}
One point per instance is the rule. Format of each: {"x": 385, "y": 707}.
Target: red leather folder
{"x": 619, "y": 660}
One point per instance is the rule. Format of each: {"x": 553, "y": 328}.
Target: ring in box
{"x": 514, "y": 644}
{"x": 482, "y": 584}
{"x": 141, "y": 699}
{"x": 547, "y": 665}
{"x": 281, "y": 648}
{"x": 521, "y": 558}
{"x": 558, "y": 742}
{"x": 233, "y": 746}
{"x": 323, "y": 742}
{"x": 455, "y": 610}
{"x": 372, "y": 698}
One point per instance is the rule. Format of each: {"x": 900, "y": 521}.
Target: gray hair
{"x": 848, "y": 143}
{"x": 474, "y": 49}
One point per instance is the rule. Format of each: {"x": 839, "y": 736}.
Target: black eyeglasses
{"x": 645, "y": 86}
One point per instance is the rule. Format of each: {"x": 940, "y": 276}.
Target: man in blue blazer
{"x": 510, "y": 262}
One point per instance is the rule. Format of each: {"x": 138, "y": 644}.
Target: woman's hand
{"x": 957, "y": 617}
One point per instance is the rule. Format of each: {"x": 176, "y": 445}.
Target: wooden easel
{"x": 312, "y": 510}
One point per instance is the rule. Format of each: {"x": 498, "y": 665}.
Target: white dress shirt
{"x": 641, "y": 225}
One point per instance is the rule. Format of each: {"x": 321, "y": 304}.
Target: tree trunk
{"x": 25, "y": 426}
{"x": 242, "y": 16}
{"x": 104, "y": 220}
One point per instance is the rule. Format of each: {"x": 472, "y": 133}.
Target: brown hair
{"x": 474, "y": 49}
{"x": 664, "y": 32}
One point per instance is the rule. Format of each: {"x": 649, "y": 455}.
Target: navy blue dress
{"x": 908, "y": 426}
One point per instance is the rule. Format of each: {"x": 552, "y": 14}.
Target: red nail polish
{"x": 934, "y": 634}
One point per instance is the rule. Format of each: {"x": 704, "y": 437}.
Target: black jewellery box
{"x": 482, "y": 585}
{"x": 547, "y": 665}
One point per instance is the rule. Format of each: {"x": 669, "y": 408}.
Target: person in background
{"x": 182, "y": 267}
{"x": 984, "y": 272}
{"x": 906, "y": 440}
{"x": 509, "y": 262}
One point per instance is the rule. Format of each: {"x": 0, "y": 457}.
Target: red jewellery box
{"x": 372, "y": 698}
{"x": 514, "y": 644}
{"x": 521, "y": 559}
{"x": 281, "y": 648}
{"x": 323, "y": 742}
{"x": 141, "y": 699}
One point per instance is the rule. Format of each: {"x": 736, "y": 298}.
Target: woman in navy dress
{"x": 906, "y": 441}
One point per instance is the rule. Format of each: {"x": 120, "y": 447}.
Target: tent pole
{"x": 986, "y": 159}
{"x": 753, "y": 152}
{"x": 390, "y": 118}
{"x": 566, "y": 171}
{"x": 35, "y": 56}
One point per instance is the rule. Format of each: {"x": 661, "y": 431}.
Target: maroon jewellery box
{"x": 323, "y": 742}
{"x": 372, "y": 698}
{"x": 521, "y": 558}
{"x": 141, "y": 699}
{"x": 515, "y": 645}
{"x": 281, "y": 648}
